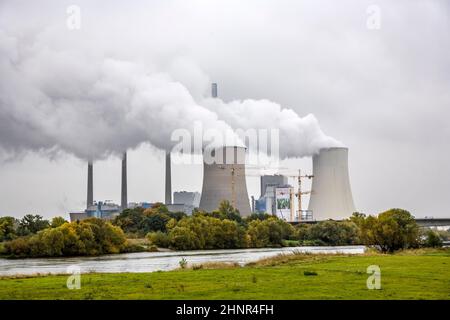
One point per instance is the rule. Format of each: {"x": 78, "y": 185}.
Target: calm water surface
{"x": 154, "y": 261}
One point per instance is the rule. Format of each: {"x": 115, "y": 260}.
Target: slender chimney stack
{"x": 214, "y": 90}
{"x": 124, "y": 197}
{"x": 168, "y": 179}
{"x": 90, "y": 185}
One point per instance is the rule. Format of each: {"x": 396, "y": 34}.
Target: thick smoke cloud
{"x": 94, "y": 106}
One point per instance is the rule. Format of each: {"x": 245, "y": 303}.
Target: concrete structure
{"x": 168, "y": 195}
{"x": 224, "y": 179}
{"x": 187, "y": 198}
{"x": 275, "y": 180}
{"x": 331, "y": 196}
{"x": 90, "y": 185}
{"x": 78, "y": 216}
{"x": 124, "y": 192}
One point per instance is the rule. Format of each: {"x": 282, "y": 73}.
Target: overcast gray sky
{"x": 383, "y": 92}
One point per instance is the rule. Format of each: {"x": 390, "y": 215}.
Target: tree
{"x": 89, "y": 237}
{"x": 392, "y": 230}
{"x": 432, "y": 239}
{"x": 57, "y": 222}
{"x": 154, "y": 222}
{"x": 8, "y": 228}
{"x": 31, "y": 224}
{"x": 269, "y": 232}
{"x": 334, "y": 233}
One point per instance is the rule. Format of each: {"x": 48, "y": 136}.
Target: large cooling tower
{"x": 224, "y": 179}
{"x": 331, "y": 196}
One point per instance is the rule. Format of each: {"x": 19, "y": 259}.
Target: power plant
{"x": 331, "y": 195}
{"x": 224, "y": 178}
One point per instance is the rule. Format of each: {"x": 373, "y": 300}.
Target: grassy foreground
{"x": 422, "y": 274}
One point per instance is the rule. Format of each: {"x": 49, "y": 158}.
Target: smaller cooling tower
{"x": 224, "y": 179}
{"x": 331, "y": 196}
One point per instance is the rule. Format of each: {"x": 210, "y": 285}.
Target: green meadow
{"x": 419, "y": 274}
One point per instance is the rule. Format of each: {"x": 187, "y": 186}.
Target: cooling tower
{"x": 224, "y": 179}
{"x": 331, "y": 196}
{"x": 124, "y": 191}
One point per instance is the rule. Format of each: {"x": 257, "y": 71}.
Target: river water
{"x": 154, "y": 261}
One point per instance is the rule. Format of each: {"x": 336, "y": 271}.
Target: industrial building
{"x": 225, "y": 179}
{"x": 277, "y": 197}
{"x": 103, "y": 210}
{"x": 187, "y": 198}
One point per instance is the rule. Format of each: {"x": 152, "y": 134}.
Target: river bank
{"x": 154, "y": 261}
{"x": 419, "y": 274}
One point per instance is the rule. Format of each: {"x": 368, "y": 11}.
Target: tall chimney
{"x": 124, "y": 198}
{"x": 90, "y": 186}
{"x": 168, "y": 179}
{"x": 214, "y": 90}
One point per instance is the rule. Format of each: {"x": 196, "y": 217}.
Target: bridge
{"x": 422, "y": 222}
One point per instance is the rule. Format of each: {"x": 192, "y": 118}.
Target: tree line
{"x": 224, "y": 228}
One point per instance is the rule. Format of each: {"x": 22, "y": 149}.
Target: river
{"x": 153, "y": 261}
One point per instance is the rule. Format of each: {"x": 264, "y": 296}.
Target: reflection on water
{"x": 154, "y": 261}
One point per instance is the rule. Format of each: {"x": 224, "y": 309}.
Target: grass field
{"x": 423, "y": 274}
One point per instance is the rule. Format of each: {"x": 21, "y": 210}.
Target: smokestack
{"x": 124, "y": 193}
{"x": 168, "y": 179}
{"x": 331, "y": 196}
{"x": 214, "y": 90}
{"x": 224, "y": 179}
{"x": 90, "y": 185}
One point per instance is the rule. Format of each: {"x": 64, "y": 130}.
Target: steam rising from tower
{"x": 331, "y": 196}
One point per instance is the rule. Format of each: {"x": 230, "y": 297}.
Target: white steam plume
{"x": 92, "y": 107}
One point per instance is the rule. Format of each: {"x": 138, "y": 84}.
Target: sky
{"x": 375, "y": 75}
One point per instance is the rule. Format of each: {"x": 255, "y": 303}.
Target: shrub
{"x": 8, "y": 228}
{"x": 88, "y": 237}
{"x": 432, "y": 239}
{"x": 392, "y": 230}
{"x": 333, "y": 233}
{"x": 159, "y": 239}
{"x": 204, "y": 232}
{"x": 269, "y": 232}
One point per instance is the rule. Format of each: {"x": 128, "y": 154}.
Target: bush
{"x": 332, "y": 233}
{"x": 269, "y": 232}
{"x": 204, "y": 232}
{"x": 88, "y": 237}
{"x": 392, "y": 230}
{"x": 8, "y": 228}
{"x": 432, "y": 239}
{"x": 159, "y": 239}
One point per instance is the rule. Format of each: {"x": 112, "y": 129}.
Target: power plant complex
{"x": 224, "y": 178}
